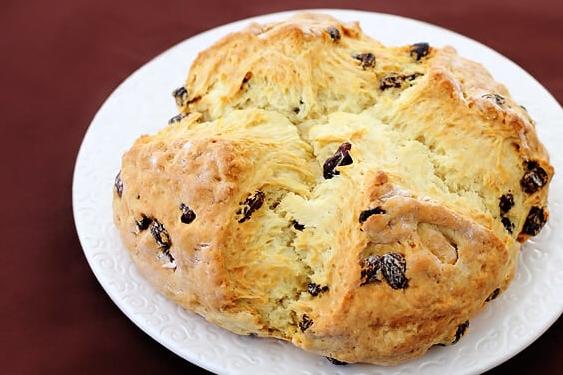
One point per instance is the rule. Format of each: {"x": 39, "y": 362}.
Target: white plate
{"x": 143, "y": 104}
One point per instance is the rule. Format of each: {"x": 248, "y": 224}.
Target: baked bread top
{"x": 361, "y": 201}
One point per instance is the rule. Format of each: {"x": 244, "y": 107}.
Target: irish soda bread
{"x": 363, "y": 202}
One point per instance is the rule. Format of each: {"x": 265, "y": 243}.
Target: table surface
{"x": 59, "y": 61}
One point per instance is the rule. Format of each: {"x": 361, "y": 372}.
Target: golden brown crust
{"x": 333, "y": 192}
{"x": 439, "y": 296}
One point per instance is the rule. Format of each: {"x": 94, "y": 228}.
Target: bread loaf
{"x": 361, "y": 201}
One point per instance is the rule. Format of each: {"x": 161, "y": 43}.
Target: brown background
{"x": 58, "y": 61}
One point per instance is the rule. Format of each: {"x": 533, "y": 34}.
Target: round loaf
{"x": 361, "y": 201}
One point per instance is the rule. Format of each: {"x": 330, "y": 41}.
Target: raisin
{"x": 334, "y": 33}
{"x": 367, "y": 59}
{"x": 180, "y": 95}
{"x": 391, "y": 80}
{"x": 364, "y": 215}
{"x": 188, "y": 215}
{"x": 160, "y": 235}
{"x": 534, "y": 178}
{"x": 419, "y": 50}
{"x": 245, "y": 80}
{"x": 370, "y": 270}
{"x": 506, "y": 202}
{"x": 535, "y": 221}
{"x": 305, "y": 322}
{"x": 247, "y": 77}
{"x": 393, "y": 266}
{"x": 412, "y": 76}
{"x": 460, "y": 331}
{"x": 166, "y": 253}
{"x": 143, "y": 223}
{"x": 493, "y": 295}
{"x": 499, "y": 99}
{"x": 508, "y": 225}
{"x": 394, "y": 80}
{"x": 316, "y": 289}
{"x": 296, "y": 110}
{"x": 251, "y": 204}
{"x": 341, "y": 157}
{"x": 298, "y": 226}
{"x": 336, "y": 361}
{"x": 118, "y": 184}
{"x": 177, "y": 118}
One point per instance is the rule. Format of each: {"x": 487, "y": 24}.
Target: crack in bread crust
{"x": 424, "y": 155}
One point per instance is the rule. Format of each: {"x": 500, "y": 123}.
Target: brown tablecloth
{"x": 58, "y": 61}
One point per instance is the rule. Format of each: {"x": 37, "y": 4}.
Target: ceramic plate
{"x": 143, "y": 104}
